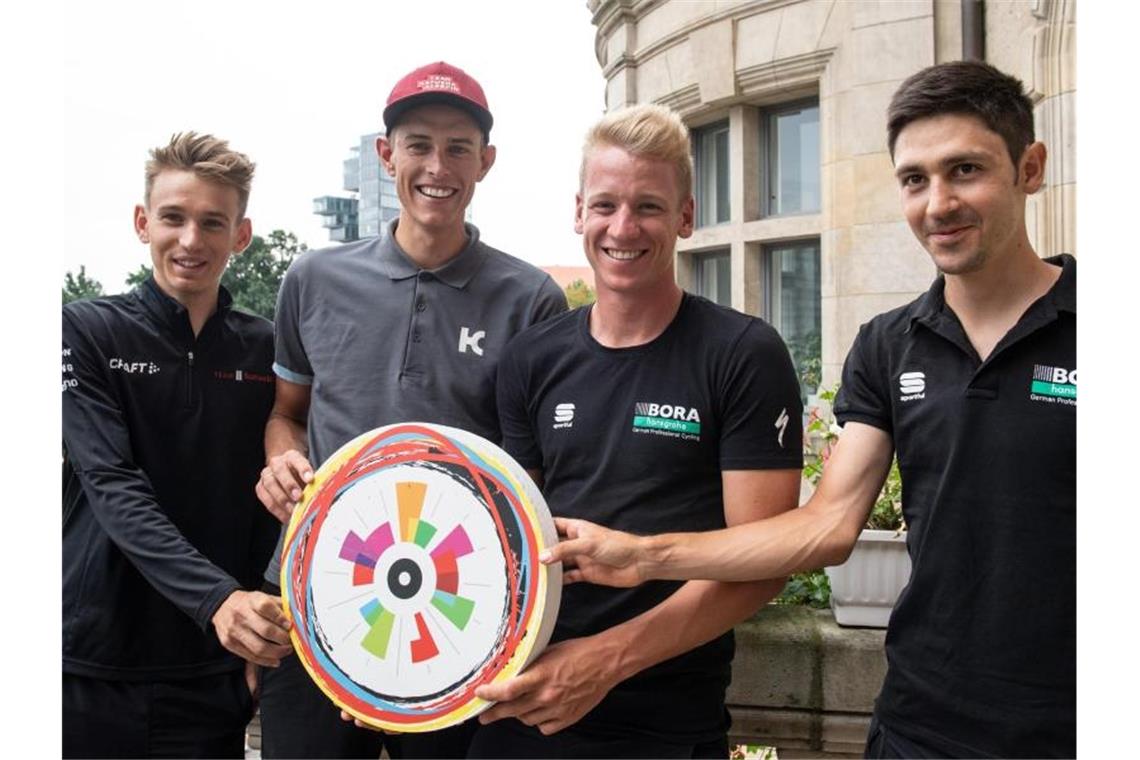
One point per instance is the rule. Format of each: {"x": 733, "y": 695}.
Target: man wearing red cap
{"x": 407, "y": 326}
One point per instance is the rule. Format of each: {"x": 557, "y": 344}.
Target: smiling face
{"x": 961, "y": 194}
{"x": 192, "y": 226}
{"x": 630, "y": 212}
{"x": 436, "y": 155}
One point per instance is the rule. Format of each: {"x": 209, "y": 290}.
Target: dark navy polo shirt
{"x": 981, "y": 646}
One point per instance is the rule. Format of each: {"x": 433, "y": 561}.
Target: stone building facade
{"x": 798, "y": 210}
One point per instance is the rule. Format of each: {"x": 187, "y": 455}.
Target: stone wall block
{"x": 892, "y": 52}
{"x": 758, "y": 34}
{"x": 883, "y": 257}
{"x": 872, "y": 12}
{"x": 801, "y": 28}
{"x": 711, "y": 54}
{"x": 876, "y": 189}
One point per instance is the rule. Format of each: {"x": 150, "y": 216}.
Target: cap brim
{"x": 394, "y": 112}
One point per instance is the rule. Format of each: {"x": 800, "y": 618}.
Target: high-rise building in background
{"x": 374, "y": 202}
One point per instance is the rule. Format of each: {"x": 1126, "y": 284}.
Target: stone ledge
{"x": 803, "y": 684}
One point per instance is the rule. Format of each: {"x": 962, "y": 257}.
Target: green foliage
{"x": 811, "y": 588}
{"x": 752, "y": 752}
{"x": 578, "y": 293}
{"x": 808, "y": 359}
{"x": 139, "y": 276}
{"x": 76, "y": 287}
{"x": 253, "y": 277}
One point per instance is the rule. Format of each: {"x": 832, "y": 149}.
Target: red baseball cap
{"x": 438, "y": 82}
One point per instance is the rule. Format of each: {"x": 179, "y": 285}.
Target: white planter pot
{"x": 865, "y": 588}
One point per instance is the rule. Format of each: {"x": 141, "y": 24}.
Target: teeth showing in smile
{"x": 620, "y": 255}
{"x": 436, "y": 192}
{"x": 189, "y": 263}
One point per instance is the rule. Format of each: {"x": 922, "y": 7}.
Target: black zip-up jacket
{"x": 163, "y": 444}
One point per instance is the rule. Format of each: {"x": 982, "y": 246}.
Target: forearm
{"x": 815, "y": 535}
{"x": 284, "y": 433}
{"x": 697, "y": 613}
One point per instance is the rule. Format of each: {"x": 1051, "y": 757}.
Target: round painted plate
{"x": 411, "y": 574}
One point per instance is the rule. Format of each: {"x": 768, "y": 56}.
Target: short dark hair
{"x": 971, "y": 88}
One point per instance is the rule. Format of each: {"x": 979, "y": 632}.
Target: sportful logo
{"x": 1053, "y": 385}
{"x": 781, "y": 425}
{"x": 471, "y": 341}
{"x": 563, "y": 416}
{"x": 666, "y": 419}
{"x": 912, "y": 386}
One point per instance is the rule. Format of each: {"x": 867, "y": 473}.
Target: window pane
{"x": 713, "y": 277}
{"x": 793, "y": 161}
{"x": 711, "y": 158}
{"x": 792, "y": 299}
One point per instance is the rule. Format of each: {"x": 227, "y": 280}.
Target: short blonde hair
{"x": 646, "y": 130}
{"x": 208, "y": 157}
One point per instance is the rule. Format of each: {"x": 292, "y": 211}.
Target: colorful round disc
{"x": 411, "y": 574}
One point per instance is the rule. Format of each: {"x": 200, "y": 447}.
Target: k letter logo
{"x": 471, "y": 341}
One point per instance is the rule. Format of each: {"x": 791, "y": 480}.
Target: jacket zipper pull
{"x": 189, "y": 378}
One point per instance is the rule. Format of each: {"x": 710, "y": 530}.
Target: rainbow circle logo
{"x": 411, "y": 575}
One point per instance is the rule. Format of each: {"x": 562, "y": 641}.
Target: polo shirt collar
{"x": 456, "y": 273}
{"x": 1062, "y": 296}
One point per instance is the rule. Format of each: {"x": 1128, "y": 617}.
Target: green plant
{"x": 812, "y": 589}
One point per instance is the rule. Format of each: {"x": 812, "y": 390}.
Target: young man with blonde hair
{"x": 683, "y": 415}
{"x": 165, "y": 393}
{"x": 975, "y": 385}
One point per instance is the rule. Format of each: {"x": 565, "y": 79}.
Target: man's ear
{"x": 141, "y": 224}
{"x": 1031, "y": 168}
{"x": 244, "y": 236}
{"x": 688, "y": 214}
{"x": 384, "y": 151}
{"x": 487, "y": 160}
{"x": 579, "y": 213}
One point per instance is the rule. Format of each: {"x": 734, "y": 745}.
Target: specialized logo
{"x": 667, "y": 419}
{"x": 471, "y": 341}
{"x": 912, "y": 386}
{"x": 1053, "y": 385}
{"x": 133, "y": 368}
{"x": 781, "y": 425}
{"x": 563, "y": 416}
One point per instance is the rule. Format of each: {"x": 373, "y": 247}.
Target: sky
{"x": 295, "y": 85}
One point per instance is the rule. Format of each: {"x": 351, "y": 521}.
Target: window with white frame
{"x": 711, "y": 276}
{"x": 710, "y": 153}
{"x": 791, "y": 275}
{"x": 791, "y": 176}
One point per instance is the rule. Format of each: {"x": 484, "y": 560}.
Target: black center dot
{"x": 404, "y": 578}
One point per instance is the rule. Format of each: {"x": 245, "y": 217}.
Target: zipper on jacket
{"x": 189, "y": 378}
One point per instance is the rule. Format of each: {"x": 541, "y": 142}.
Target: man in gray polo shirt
{"x": 404, "y": 327}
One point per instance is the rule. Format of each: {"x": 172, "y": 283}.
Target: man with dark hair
{"x": 974, "y": 384}
{"x": 405, "y": 327}
{"x": 165, "y": 393}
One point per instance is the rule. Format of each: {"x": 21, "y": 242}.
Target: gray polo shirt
{"x": 382, "y": 341}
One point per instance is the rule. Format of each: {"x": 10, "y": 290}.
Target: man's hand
{"x": 596, "y": 554}
{"x": 253, "y": 626}
{"x": 566, "y": 682}
{"x": 282, "y": 481}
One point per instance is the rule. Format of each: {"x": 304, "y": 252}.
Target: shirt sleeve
{"x": 862, "y": 395}
{"x": 98, "y": 444}
{"x": 549, "y": 300}
{"x": 290, "y": 362}
{"x": 511, "y": 398}
{"x": 762, "y": 415}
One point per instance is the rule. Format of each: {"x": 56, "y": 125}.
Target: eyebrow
{"x": 209, "y": 214}
{"x": 952, "y": 160}
{"x": 419, "y": 136}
